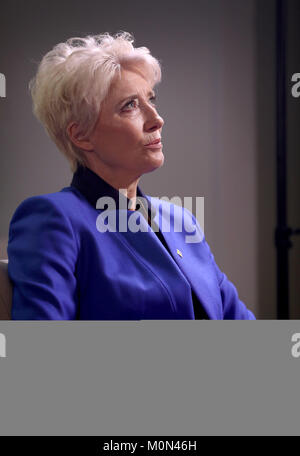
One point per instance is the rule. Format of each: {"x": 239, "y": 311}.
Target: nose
{"x": 153, "y": 121}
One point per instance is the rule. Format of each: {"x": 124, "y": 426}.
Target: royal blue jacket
{"x": 65, "y": 266}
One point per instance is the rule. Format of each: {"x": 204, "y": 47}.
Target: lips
{"x": 156, "y": 141}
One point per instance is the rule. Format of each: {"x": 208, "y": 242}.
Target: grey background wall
{"x": 217, "y": 100}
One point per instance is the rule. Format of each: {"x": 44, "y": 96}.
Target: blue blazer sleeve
{"x": 233, "y": 307}
{"x": 42, "y": 252}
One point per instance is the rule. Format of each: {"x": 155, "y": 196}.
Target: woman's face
{"x": 128, "y": 121}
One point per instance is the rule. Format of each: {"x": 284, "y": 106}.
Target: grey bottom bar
{"x": 150, "y": 378}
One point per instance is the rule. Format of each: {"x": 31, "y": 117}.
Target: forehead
{"x": 129, "y": 82}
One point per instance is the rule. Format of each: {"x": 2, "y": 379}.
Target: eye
{"x": 153, "y": 99}
{"x": 130, "y": 104}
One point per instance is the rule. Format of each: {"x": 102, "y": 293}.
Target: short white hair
{"x": 74, "y": 78}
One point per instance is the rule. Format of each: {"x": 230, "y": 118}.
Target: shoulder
{"x": 65, "y": 204}
{"x": 44, "y": 215}
{"x": 44, "y": 223}
{"x": 175, "y": 205}
{"x": 179, "y": 214}
{"x": 60, "y": 200}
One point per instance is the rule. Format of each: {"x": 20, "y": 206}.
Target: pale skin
{"x": 116, "y": 148}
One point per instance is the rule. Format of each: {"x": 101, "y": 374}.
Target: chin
{"x": 155, "y": 162}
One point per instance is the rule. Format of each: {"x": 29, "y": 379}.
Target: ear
{"x": 77, "y": 138}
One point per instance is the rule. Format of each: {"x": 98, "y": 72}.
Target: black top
{"x": 92, "y": 187}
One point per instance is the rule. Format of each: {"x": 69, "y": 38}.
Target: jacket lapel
{"x": 191, "y": 258}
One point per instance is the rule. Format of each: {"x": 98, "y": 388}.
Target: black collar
{"x": 93, "y": 187}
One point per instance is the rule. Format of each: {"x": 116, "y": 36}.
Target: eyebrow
{"x": 151, "y": 93}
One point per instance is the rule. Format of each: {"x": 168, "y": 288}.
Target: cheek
{"x": 129, "y": 133}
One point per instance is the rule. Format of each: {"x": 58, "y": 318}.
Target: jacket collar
{"x": 93, "y": 187}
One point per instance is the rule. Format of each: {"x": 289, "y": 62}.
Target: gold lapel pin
{"x": 179, "y": 253}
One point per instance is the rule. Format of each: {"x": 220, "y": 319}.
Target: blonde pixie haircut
{"x": 74, "y": 78}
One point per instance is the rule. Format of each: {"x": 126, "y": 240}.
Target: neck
{"x": 130, "y": 192}
{"x": 125, "y": 184}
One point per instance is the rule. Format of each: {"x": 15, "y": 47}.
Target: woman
{"x": 95, "y": 97}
